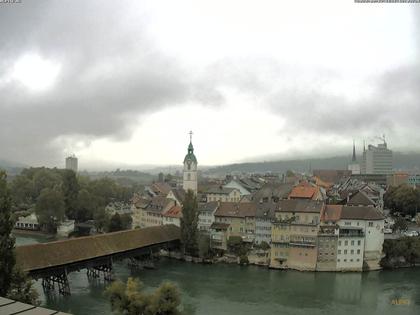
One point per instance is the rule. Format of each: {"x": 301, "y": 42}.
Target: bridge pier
{"x": 95, "y": 272}
{"x": 48, "y": 283}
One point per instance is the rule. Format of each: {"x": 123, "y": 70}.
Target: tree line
{"x": 404, "y": 199}
{"x": 54, "y": 194}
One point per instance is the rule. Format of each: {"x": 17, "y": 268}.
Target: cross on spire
{"x": 190, "y": 133}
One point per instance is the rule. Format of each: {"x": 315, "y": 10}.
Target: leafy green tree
{"x": 85, "y": 206}
{"x": 204, "y": 249}
{"x": 404, "y": 199}
{"x": 50, "y": 209}
{"x": 14, "y": 283}
{"x": 400, "y": 224}
{"x": 115, "y": 224}
{"x": 22, "y": 190}
{"x": 237, "y": 246}
{"x": 70, "y": 188}
{"x": 131, "y": 298}
{"x": 189, "y": 224}
{"x": 101, "y": 218}
{"x": 7, "y": 241}
{"x": 46, "y": 178}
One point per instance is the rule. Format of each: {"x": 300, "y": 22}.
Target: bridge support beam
{"x": 48, "y": 283}
{"x": 95, "y": 272}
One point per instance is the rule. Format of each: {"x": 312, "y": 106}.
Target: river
{"x": 232, "y": 289}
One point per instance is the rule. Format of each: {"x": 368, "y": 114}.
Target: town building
{"x": 223, "y": 194}
{"x": 233, "y": 219}
{"x": 29, "y": 222}
{"x": 72, "y": 163}
{"x": 206, "y": 213}
{"x": 190, "y": 178}
{"x": 173, "y": 216}
{"x": 328, "y": 238}
{"x": 238, "y": 185}
{"x": 306, "y": 190}
{"x": 264, "y": 215}
{"x": 177, "y": 194}
{"x": 272, "y": 192}
{"x": 294, "y": 234}
{"x": 377, "y": 160}
{"x": 150, "y": 213}
{"x": 361, "y": 236}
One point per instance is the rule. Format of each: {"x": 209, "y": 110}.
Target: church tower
{"x": 190, "y": 169}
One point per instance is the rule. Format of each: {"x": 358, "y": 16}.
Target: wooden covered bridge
{"x": 53, "y": 261}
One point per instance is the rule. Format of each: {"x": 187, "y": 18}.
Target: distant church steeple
{"x": 190, "y": 169}
{"x": 353, "y": 159}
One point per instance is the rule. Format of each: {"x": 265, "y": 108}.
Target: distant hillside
{"x": 401, "y": 161}
{"x": 11, "y": 168}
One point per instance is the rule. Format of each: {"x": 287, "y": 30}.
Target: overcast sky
{"x": 123, "y": 82}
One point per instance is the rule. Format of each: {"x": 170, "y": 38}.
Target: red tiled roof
{"x": 174, "y": 212}
{"x": 304, "y": 191}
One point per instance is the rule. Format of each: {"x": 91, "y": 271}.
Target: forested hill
{"x": 401, "y": 161}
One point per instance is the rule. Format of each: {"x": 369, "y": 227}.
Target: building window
{"x": 339, "y": 251}
{"x": 370, "y": 224}
{"x": 339, "y": 243}
{"x": 352, "y": 251}
{"x": 346, "y": 243}
{"x": 359, "y": 242}
{"x": 352, "y": 243}
{"x": 358, "y": 251}
{"x": 345, "y": 251}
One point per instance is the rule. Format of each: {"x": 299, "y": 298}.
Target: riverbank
{"x": 32, "y": 233}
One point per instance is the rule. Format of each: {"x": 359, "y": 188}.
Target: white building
{"x": 377, "y": 160}
{"x": 29, "y": 222}
{"x": 235, "y": 184}
{"x": 361, "y": 236}
{"x": 65, "y": 228}
{"x": 190, "y": 169}
{"x": 206, "y": 215}
{"x": 264, "y": 216}
{"x": 71, "y": 163}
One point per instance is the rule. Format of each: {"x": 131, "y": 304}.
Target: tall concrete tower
{"x": 71, "y": 163}
{"x": 190, "y": 169}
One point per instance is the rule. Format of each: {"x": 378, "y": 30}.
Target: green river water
{"x": 236, "y": 290}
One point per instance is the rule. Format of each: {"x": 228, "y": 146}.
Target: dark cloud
{"x": 110, "y": 73}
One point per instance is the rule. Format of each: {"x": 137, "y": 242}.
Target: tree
{"x": 204, "y": 249}
{"x": 86, "y": 206}
{"x": 7, "y": 241}
{"x": 400, "y": 224}
{"x": 404, "y": 199}
{"x": 115, "y": 224}
{"x": 189, "y": 224}
{"x": 70, "y": 188}
{"x": 14, "y": 283}
{"x": 131, "y": 298}
{"x": 50, "y": 209}
{"x": 22, "y": 190}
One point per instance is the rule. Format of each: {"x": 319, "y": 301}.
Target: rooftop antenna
{"x": 190, "y": 133}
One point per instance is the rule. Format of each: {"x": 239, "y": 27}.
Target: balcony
{"x": 351, "y": 233}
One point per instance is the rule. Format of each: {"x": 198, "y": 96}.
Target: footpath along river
{"x": 236, "y": 290}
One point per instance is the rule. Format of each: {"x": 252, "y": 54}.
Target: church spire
{"x": 354, "y": 153}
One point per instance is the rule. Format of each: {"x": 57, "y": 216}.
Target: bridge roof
{"x": 45, "y": 255}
